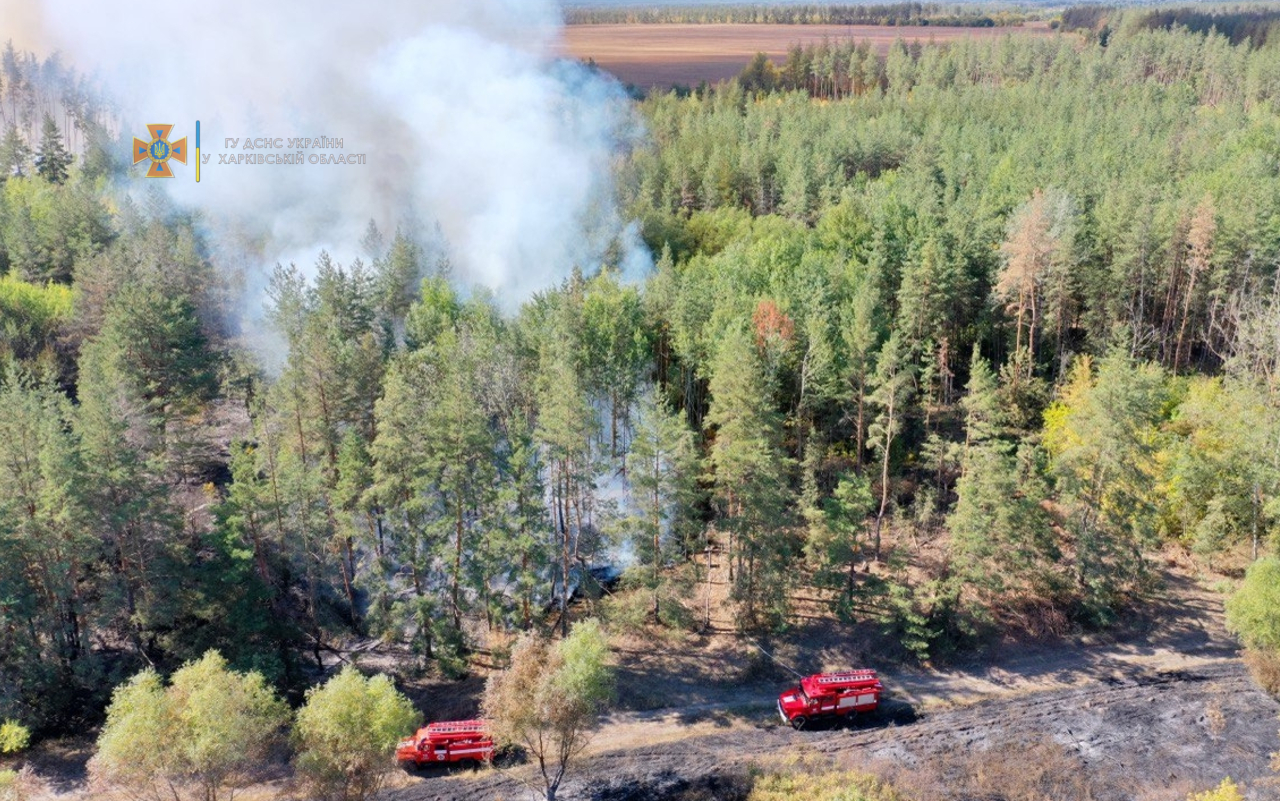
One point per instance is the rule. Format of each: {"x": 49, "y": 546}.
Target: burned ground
{"x": 1147, "y": 735}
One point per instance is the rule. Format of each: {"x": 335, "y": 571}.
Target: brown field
{"x": 664, "y": 55}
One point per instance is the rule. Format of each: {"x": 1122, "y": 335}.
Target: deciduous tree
{"x": 346, "y": 733}
{"x": 202, "y": 737}
{"x": 550, "y": 698}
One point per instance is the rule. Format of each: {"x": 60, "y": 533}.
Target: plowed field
{"x": 665, "y": 55}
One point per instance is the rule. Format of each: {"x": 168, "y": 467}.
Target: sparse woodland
{"x": 1019, "y": 297}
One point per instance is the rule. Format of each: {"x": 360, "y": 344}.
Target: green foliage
{"x": 47, "y": 229}
{"x": 630, "y": 607}
{"x": 1103, "y": 436}
{"x": 836, "y": 531}
{"x": 435, "y": 310}
{"x": 14, "y": 737}
{"x": 46, "y": 553}
{"x": 1253, "y": 611}
{"x": 157, "y": 349}
{"x": 662, "y": 470}
{"x": 927, "y": 617}
{"x": 32, "y": 317}
{"x": 751, "y": 475}
{"x": 1001, "y": 538}
{"x": 15, "y": 154}
{"x": 1223, "y": 470}
{"x": 244, "y": 625}
{"x": 208, "y": 731}
{"x": 346, "y": 733}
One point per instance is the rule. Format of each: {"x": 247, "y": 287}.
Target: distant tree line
{"x": 972, "y": 16}
{"x": 1252, "y": 25}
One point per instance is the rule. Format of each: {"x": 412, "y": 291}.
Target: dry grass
{"x": 830, "y": 786}
{"x": 665, "y": 55}
{"x": 1039, "y": 770}
{"x": 1264, "y": 666}
{"x": 22, "y": 785}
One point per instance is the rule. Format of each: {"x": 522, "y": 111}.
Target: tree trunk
{"x": 564, "y": 553}
{"x": 1186, "y": 315}
{"x": 884, "y": 477}
{"x": 860, "y": 430}
{"x": 657, "y": 530}
{"x": 457, "y": 566}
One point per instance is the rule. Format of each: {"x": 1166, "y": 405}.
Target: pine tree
{"x": 14, "y": 154}
{"x": 752, "y": 479}
{"x": 894, "y": 383}
{"x": 1204, "y": 227}
{"x": 1001, "y": 539}
{"x": 661, "y": 469}
{"x": 565, "y": 429}
{"x": 52, "y": 159}
{"x": 1101, "y": 436}
{"x": 47, "y": 553}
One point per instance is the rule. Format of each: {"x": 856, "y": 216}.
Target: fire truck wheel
{"x": 469, "y": 764}
{"x": 798, "y": 722}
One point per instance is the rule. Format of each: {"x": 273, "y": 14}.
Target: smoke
{"x": 465, "y": 120}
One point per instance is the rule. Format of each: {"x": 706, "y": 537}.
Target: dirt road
{"x": 1155, "y": 715}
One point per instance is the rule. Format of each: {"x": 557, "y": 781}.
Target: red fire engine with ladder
{"x": 828, "y": 695}
{"x": 460, "y": 741}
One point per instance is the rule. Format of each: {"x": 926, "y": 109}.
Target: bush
{"x": 346, "y": 733}
{"x": 211, "y": 728}
{"x": 13, "y": 737}
{"x": 630, "y": 609}
{"x": 1253, "y": 612}
{"x": 31, "y": 316}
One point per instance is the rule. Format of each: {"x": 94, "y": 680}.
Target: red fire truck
{"x": 464, "y": 741}
{"x": 826, "y": 695}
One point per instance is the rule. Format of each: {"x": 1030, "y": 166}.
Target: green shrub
{"x": 1253, "y": 612}
{"x": 630, "y": 608}
{"x": 31, "y": 316}
{"x": 13, "y": 737}
{"x": 211, "y": 728}
{"x": 346, "y": 733}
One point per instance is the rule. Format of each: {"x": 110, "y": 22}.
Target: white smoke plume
{"x": 464, "y": 118}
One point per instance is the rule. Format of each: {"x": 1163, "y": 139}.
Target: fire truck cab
{"x": 827, "y": 695}
{"x": 466, "y": 741}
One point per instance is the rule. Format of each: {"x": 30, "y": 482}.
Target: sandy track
{"x": 1128, "y": 737}
{"x": 1153, "y": 714}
